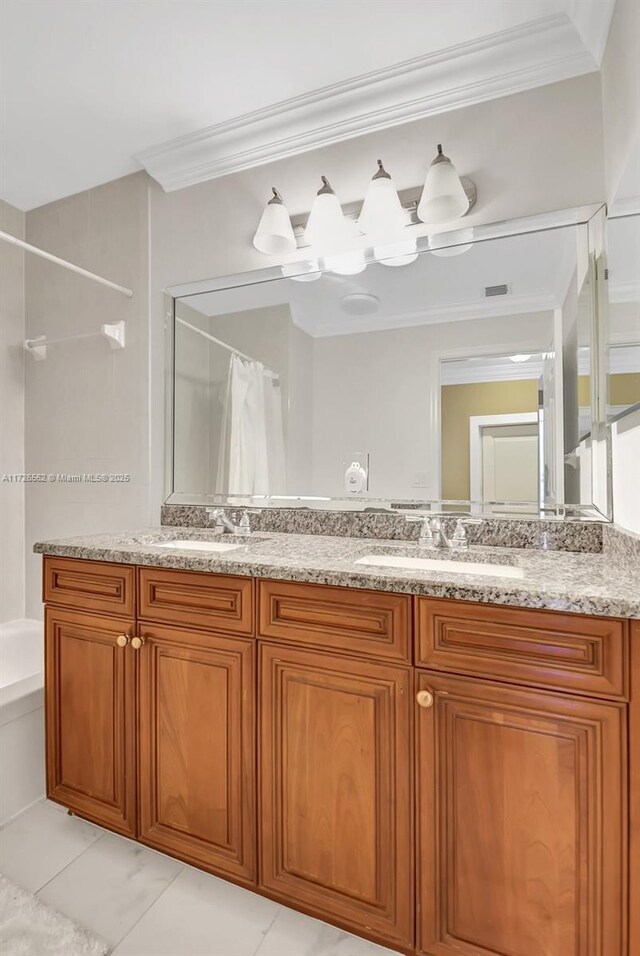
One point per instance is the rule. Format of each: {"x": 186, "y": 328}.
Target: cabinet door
{"x": 196, "y": 744}
{"x": 336, "y": 806}
{"x": 521, "y": 816}
{"x": 90, "y": 710}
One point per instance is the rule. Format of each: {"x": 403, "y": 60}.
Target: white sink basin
{"x": 196, "y": 545}
{"x": 437, "y": 564}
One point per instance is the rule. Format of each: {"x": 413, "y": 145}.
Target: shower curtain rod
{"x": 230, "y": 348}
{"x": 6, "y": 237}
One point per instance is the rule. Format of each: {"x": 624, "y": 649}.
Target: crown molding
{"x": 543, "y": 51}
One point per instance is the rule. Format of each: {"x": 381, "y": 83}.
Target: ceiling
{"x": 89, "y": 85}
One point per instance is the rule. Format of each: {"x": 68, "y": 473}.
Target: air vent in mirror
{"x": 490, "y": 290}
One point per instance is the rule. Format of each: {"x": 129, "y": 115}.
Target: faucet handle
{"x": 459, "y": 539}
{"x": 243, "y": 526}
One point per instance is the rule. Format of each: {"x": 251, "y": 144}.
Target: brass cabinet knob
{"x": 137, "y": 642}
{"x": 424, "y": 698}
{"x": 122, "y": 640}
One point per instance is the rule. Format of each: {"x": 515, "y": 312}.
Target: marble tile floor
{"x": 145, "y": 904}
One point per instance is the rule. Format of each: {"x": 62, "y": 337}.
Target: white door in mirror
{"x": 355, "y": 478}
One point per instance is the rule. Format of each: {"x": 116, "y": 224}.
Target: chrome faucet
{"x": 232, "y": 525}
{"x": 433, "y": 537}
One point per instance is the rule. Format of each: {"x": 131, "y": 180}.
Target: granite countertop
{"x": 556, "y": 580}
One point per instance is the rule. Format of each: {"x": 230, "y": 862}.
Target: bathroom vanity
{"x": 444, "y": 766}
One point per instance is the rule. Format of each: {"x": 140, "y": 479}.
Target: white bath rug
{"x": 29, "y": 928}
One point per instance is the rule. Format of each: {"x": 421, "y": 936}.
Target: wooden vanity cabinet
{"x": 150, "y": 724}
{"x": 441, "y": 776}
{"x": 196, "y": 772}
{"x": 521, "y": 812}
{"x": 336, "y": 788}
{"x": 91, "y": 717}
{"x": 521, "y": 790}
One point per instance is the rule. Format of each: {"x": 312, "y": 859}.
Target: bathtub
{"x": 21, "y": 716}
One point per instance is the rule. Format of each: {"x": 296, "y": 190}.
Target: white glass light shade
{"x": 327, "y": 229}
{"x": 274, "y": 235}
{"x": 382, "y": 215}
{"x": 443, "y": 197}
{"x": 398, "y": 254}
{"x": 346, "y": 264}
{"x": 441, "y": 244}
{"x": 302, "y": 271}
{"x": 519, "y": 358}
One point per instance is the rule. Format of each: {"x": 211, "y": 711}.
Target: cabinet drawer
{"x": 90, "y": 585}
{"x": 198, "y": 598}
{"x": 367, "y": 623}
{"x": 568, "y": 651}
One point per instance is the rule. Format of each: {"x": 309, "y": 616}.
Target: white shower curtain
{"x": 251, "y": 459}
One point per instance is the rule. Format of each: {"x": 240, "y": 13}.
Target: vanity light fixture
{"x": 327, "y": 230}
{"x": 274, "y": 235}
{"x": 443, "y": 197}
{"x": 441, "y": 244}
{"x": 382, "y": 215}
{"x": 519, "y": 358}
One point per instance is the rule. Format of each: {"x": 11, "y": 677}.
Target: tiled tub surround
{"x": 587, "y": 583}
{"x": 554, "y": 535}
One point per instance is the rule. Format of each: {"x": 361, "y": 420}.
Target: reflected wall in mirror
{"x": 456, "y": 377}
{"x": 623, "y": 294}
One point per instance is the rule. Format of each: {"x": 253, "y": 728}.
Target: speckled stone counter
{"x": 584, "y": 583}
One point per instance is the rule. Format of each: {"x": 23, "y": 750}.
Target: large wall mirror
{"x": 462, "y": 376}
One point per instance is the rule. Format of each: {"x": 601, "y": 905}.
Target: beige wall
{"x": 87, "y": 407}
{"x": 459, "y": 403}
{"x": 621, "y": 92}
{"x": 11, "y": 416}
{"x": 624, "y": 389}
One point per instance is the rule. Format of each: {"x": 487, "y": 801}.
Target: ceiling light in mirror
{"x": 302, "y": 271}
{"x": 327, "y": 229}
{"x": 398, "y": 254}
{"x": 451, "y": 243}
{"x": 382, "y": 214}
{"x": 519, "y": 358}
{"x": 359, "y": 303}
{"x": 443, "y": 197}
{"x": 274, "y": 235}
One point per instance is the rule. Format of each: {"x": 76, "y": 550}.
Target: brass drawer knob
{"x": 137, "y": 642}
{"x": 424, "y": 698}
{"x": 122, "y": 640}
